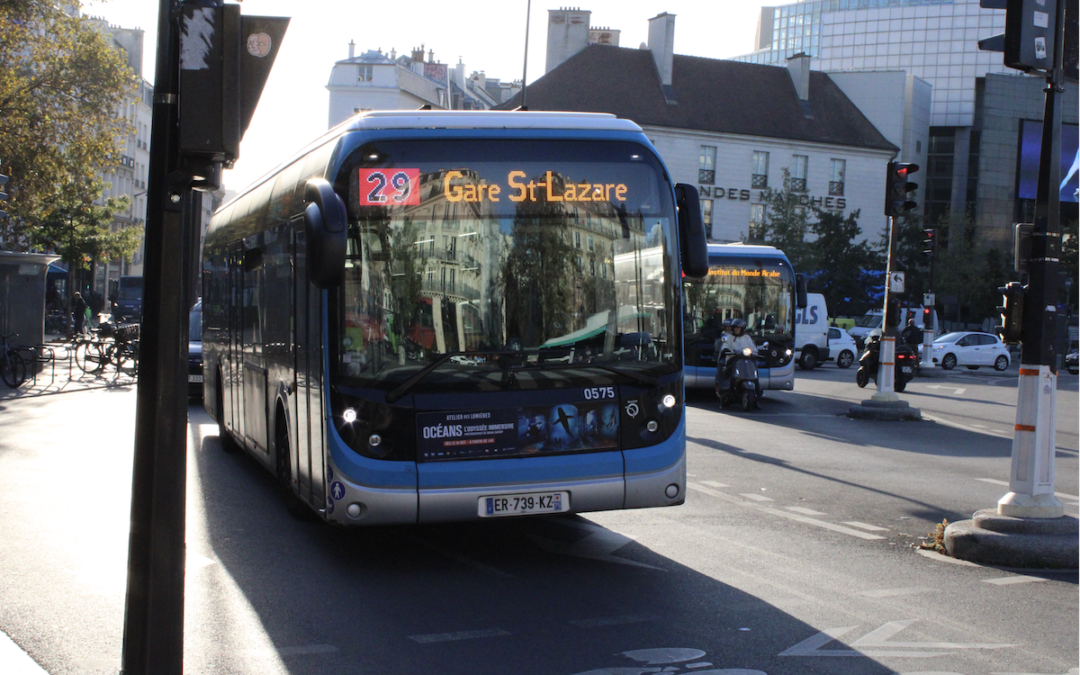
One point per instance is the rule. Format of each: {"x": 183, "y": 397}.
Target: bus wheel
{"x": 293, "y": 504}
{"x": 228, "y": 444}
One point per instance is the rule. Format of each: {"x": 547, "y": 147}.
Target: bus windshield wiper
{"x": 637, "y": 377}
{"x": 404, "y": 388}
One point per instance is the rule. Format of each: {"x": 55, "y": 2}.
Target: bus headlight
{"x": 374, "y": 430}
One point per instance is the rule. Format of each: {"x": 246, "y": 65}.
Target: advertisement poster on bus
{"x": 521, "y": 431}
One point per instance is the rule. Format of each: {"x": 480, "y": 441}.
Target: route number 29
{"x": 389, "y": 187}
{"x": 598, "y": 393}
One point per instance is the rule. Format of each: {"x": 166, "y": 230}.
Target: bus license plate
{"x": 521, "y": 504}
{"x": 194, "y": 378}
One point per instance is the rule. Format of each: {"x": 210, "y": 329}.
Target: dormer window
{"x": 365, "y": 73}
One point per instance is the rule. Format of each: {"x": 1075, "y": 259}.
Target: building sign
{"x": 744, "y": 195}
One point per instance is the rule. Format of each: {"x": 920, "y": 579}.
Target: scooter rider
{"x": 736, "y": 342}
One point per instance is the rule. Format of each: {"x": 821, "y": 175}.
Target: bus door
{"x": 307, "y": 329}
{"x": 234, "y": 367}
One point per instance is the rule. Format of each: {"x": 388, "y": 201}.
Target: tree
{"x": 786, "y": 222}
{"x": 61, "y": 87}
{"x": 965, "y": 276}
{"x": 79, "y": 230}
{"x": 845, "y": 272}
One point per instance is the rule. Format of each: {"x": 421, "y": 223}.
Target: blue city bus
{"x": 753, "y": 283}
{"x": 445, "y": 316}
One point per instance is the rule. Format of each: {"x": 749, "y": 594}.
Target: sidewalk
{"x": 61, "y": 375}
{"x": 14, "y": 661}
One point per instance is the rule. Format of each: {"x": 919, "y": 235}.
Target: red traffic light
{"x": 897, "y": 188}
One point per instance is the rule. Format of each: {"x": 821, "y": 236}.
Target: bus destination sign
{"x": 400, "y": 187}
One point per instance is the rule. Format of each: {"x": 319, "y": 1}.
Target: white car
{"x": 971, "y": 350}
{"x": 842, "y": 347}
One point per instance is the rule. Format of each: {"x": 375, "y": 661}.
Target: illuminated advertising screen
{"x": 1030, "y": 150}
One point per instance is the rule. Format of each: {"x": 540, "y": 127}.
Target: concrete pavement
{"x": 59, "y": 374}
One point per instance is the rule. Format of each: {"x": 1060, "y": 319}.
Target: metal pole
{"x": 154, "y": 607}
{"x": 525, "y": 68}
{"x": 887, "y": 346}
{"x": 1031, "y": 479}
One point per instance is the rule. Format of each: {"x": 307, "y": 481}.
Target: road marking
{"x": 934, "y": 555}
{"x": 957, "y": 391}
{"x": 15, "y": 661}
{"x": 783, "y": 514}
{"x": 897, "y": 592}
{"x": 712, "y": 483}
{"x": 756, "y": 497}
{"x": 304, "y": 650}
{"x": 805, "y": 511}
{"x": 613, "y": 620}
{"x": 865, "y": 526}
{"x": 462, "y": 635}
{"x": 1008, "y": 581}
{"x": 599, "y": 545}
{"x": 880, "y": 637}
{"x": 1005, "y": 483}
{"x": 966, "y": 427}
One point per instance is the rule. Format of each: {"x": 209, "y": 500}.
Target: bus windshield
{"x": 757, "y": 290}
{"x": 515, "y": 262}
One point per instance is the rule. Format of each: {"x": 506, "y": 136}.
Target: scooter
{"x": 906, "y": 362}
{"x": 737, "y": 379}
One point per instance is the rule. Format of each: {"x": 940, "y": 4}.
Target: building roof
{"x": 710, "y": 95}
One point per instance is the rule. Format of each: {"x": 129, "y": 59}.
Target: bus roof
{"x": 487, "y": 119}
{"x": 740, "y": 248}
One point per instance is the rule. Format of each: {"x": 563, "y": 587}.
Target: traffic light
{"x": 928, "y": 318}
{"x": 3, "y": 194}
{"x": 1012, "y": 312}
{"x": 930, "y": 242}
{"x": 1028, "y": 41}
{"x": 897, "y": 188}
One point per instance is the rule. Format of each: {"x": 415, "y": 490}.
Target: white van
{"x": 812, "y": 332}
{"x": 872, "y": 321}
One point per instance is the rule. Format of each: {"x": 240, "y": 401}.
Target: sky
{"x": 486, "y": 35}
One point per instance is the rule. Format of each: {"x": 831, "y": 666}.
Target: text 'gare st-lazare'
{"x": 744, "y": 195}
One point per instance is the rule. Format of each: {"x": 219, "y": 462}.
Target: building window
{"x": 706, "y": 216}
{"x": 837, "y": 168}
{"x": 798, "y": 172}
{"x": 707, "y": 165}
{"x": 757, "y": 221}
{"x": 760, "y": 177}
{"x": 364, "y": 73}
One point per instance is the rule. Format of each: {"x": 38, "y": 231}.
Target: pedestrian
{"x": 79, "y": 308}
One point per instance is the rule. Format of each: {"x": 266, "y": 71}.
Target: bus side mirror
{"x": 800, "y": 291}
{"x": 693, "y": 244}
{"x": 326, "y": 222}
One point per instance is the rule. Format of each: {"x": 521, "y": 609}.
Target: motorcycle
{"x": 737, "y": 379}
{"x": 906, "y": 363}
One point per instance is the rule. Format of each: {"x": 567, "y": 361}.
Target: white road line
{"x": 756, "y": 497}
{"x": 805, "y": 511}
{"x": 967, "y": 427}
{"x": 613, "y": 620}
{"x": 712, "y": 483}
{"x": 303, "y": 650}
{"x": 1005, "y": 483}
{"x": 462, "y": 635}
{"x": 897, "y": 592}
{"x": 1008, "y": 581}
{"x": 865, "y": 526}
{"x": 783, "y": 514}
{"x": 14, "y": 661}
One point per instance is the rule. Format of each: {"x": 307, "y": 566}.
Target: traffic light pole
{"x": 887, "y": 348}
{"x": 154, "y": 605}
{"x": 1031, "y": 480}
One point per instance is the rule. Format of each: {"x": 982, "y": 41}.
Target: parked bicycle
{"x": 91, "y": 353}
{"x": 12, "y": 364}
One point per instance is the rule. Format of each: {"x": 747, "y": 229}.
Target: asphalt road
{"x": 794, "y": 554}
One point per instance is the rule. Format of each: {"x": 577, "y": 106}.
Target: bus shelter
{"x": 22, "y": 295}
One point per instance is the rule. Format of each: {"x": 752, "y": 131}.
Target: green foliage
{"x": 79, "y": 230}
{"x": 963, "y": 272}
{"x": 842, "y": 270}
{"x": 62, "y": 86}
{"x": 787, "y": 222}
